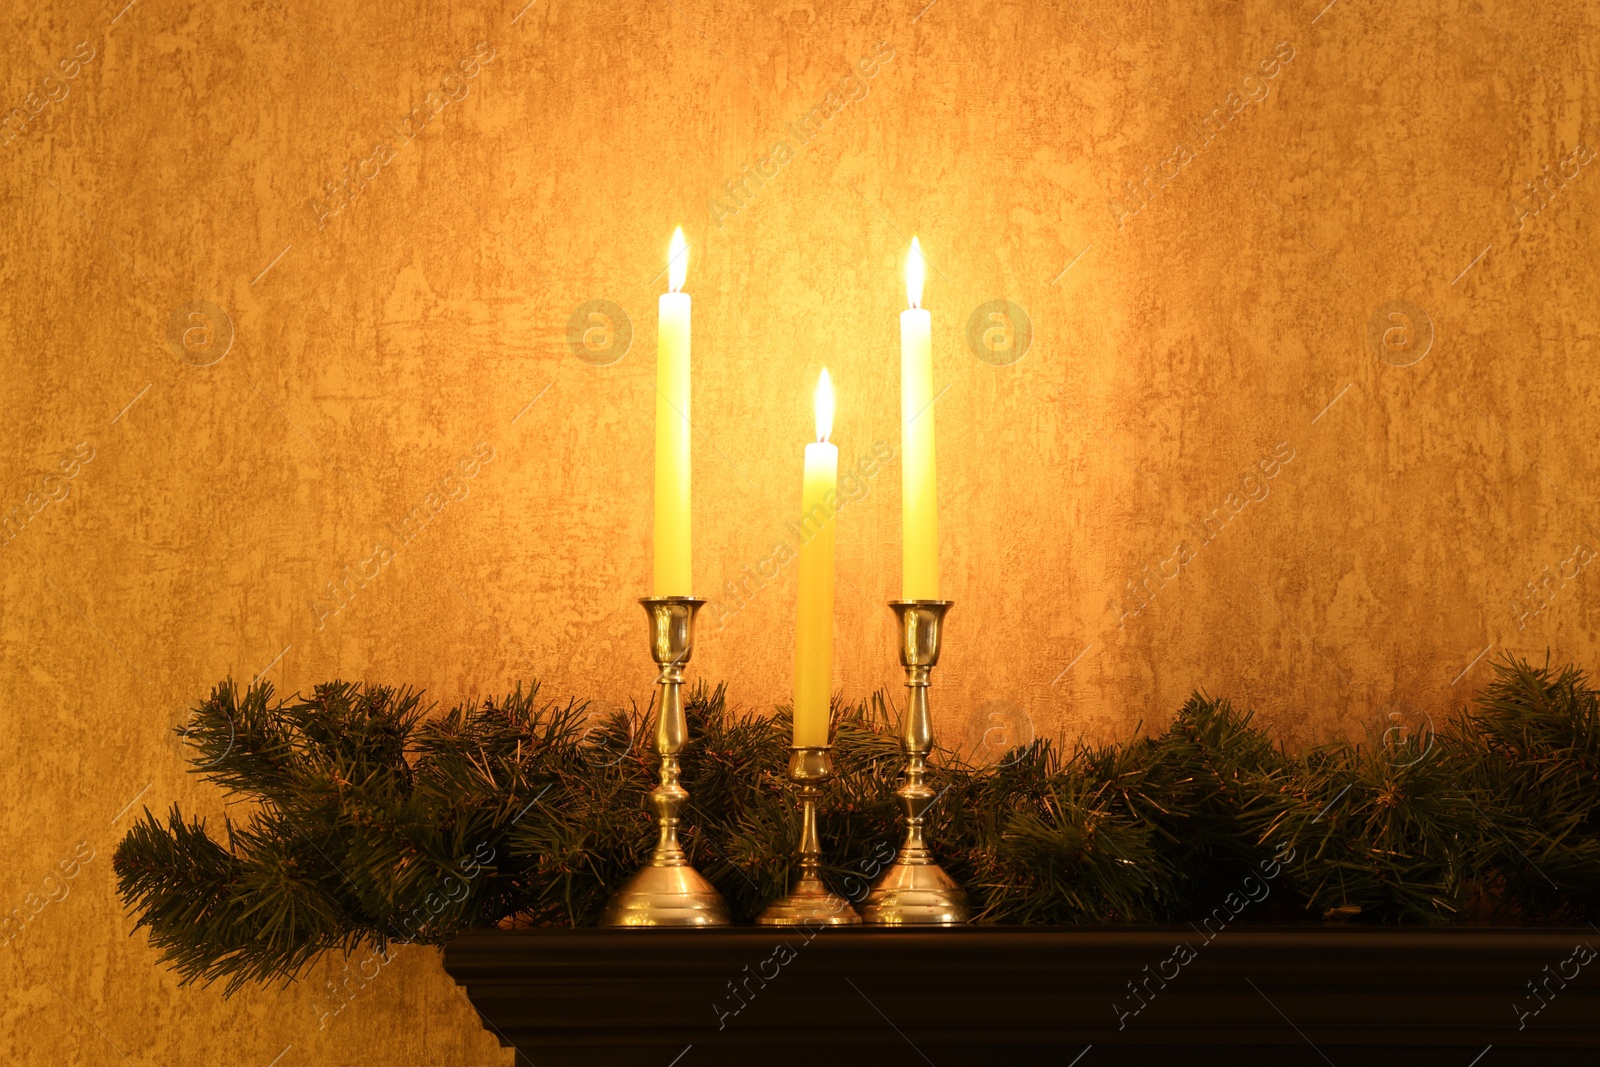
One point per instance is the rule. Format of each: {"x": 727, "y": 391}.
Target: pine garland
{"x": 371, "y": 822}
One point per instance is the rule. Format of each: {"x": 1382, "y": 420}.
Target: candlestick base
{"x": 668, "y": 891}
{"x": 810, "y": 902}
{"x": 916, "y": 894}
{"x": 666, "y": 896}
{"x": 916, "y": 891}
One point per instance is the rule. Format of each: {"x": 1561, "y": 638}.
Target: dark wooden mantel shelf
{"x": 1353, "y": 997}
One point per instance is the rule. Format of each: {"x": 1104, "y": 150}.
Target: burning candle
{"x": 672, "y": 566}
{"x": 813, "y": 642}
{"x": 919, "y": 524}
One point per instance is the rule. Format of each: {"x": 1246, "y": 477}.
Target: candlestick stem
{"x": 916, "y": 890}
{"x": 667, "y": 891}
{"x": 809, "y": 902}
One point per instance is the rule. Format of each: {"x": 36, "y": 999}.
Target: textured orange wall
{"x": 253, "y": 376}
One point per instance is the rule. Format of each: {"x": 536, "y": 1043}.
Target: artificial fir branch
{"x": 375, "y": 820}
{"x": 1533, "y": 745}
{"x": 1378, "y": 831}
{"x": 1054, "y": 843}
{"x": 216, "y": 914}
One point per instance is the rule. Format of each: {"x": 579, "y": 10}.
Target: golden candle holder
{"x": 916, "y": 891}
{"x": 667, "y": 891}
{"x": 810, "y": 901}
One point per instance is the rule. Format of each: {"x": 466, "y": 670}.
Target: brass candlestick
{"x": 809, "y": 901}
{"x": 667, "y": 891}
{"x": 916, "y": 890}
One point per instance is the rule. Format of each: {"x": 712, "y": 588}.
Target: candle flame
{"x": 677, "y": 261}
{"x": 916, "y": 271}
{"x": 824, "y": 406}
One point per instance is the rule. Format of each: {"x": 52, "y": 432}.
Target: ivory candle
{"x": 813, "y": 642}
{"x": 672, "y": 566}
{"x": 919, "y": 523}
